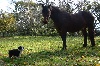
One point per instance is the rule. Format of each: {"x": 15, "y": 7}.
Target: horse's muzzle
{"x": 45, "y": 21}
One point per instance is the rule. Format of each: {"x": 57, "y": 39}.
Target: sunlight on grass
{"x": 43, "y": 50}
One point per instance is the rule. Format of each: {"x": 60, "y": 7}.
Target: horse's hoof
{"x": 84, "y": 45}
{"x": 63, "y": 49}
{"x": 93, "y": 46}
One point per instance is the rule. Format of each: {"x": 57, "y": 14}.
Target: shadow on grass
{"x": 54, "y": 57}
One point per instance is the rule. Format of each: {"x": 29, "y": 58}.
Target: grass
{"x": 46, "y": 51}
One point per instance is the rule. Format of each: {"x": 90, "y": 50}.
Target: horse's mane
{"x": 55, "y": 8}
{"x": 58, "y": 10}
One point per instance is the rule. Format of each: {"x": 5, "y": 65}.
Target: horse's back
{"x": 80, "y": 20}
{"x": 73, "y": 22}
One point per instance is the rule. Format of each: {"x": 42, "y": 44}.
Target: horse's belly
{"x": 74, "y": 27}
{"x": 72, "y": 30}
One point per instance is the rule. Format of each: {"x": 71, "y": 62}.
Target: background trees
{"x": 7, "y": 22}
{"x": 26, "y": 17}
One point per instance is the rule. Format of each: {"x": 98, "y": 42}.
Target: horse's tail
{"x": 89, "y": 19}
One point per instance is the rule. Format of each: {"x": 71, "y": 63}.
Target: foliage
{"x": 96, "y": 11}
{"x": 7, "y": 21}
{"x": 41, "y": 51}
{"x": 27, "y": 17}
{"x": 24, "y": 17}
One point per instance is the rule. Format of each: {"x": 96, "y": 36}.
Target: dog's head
{"x": 20, "y": 48}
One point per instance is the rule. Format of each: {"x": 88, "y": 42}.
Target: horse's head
{"x": 46, "y": 12}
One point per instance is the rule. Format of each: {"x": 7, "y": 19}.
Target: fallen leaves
{"x": 25, "y": 63}
{"x": 97, "y": 65}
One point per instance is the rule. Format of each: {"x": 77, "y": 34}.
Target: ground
{"x": 44, "y": 50}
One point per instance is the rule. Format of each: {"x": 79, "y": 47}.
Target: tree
{"x": 25, "y": 13}
{"x": 7, "y": 21}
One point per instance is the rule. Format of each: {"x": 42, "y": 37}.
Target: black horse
{"x": 65, "y": 22}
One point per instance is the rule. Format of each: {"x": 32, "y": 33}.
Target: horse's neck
{"x": 55, "y": 14}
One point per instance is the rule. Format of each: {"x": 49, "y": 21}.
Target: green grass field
{"x": 46, "y": 51}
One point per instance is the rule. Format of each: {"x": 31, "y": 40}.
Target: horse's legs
{"x": 91, "y": 36}
{"x": 63, "y": 36}
{"x": 85, "y": 37}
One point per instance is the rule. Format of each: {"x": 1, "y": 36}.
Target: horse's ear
{"x": 42, "y": 5}
{"x": 49, "y": 6}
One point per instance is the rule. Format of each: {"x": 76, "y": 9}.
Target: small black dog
{"x": 16, "y": 52}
